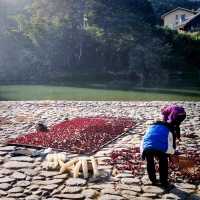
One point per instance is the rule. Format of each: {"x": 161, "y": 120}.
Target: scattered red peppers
{"x": 79, "y": 135}
{"x": 130, "y": 159}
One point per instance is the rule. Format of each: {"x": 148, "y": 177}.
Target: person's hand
{"x": 178, "y": 141}
{"x": 177, "y": 152}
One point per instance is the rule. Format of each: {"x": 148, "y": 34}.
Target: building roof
{"x": 178, "y": 8}
{"x": 190, "y": 20}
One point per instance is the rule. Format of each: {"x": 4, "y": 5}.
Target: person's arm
{"x": 170, "y": 149}
{"x": 177, "y": 132}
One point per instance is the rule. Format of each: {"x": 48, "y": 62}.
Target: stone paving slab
{"x": 24, "y": 177}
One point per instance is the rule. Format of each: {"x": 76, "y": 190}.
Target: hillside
{"x": 113, "y": 41}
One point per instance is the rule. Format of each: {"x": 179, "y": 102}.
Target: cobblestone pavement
{"x": 24, "y": 177}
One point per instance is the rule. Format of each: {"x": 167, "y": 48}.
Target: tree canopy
{"x": 93, "y": 40}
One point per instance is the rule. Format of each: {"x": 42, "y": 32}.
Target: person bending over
{"x": 159, "y": 142}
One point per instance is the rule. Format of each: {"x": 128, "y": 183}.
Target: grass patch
{"x": 40, "y": 92}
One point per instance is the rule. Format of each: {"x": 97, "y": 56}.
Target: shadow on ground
{"x": 183, "y": 195}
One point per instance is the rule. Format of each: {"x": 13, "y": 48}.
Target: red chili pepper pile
{"x": 130, "y": 159}
{"x": 80, "y": 135}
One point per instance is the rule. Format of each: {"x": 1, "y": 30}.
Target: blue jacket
{"x": 158, "y": 137}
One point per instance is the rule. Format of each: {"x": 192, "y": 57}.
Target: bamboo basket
{"x": 185, "y": 164}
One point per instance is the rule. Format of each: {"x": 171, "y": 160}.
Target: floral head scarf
{"x": 173, "y": 114}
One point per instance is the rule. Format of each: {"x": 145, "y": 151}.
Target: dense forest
{"x": 119, "y": 42}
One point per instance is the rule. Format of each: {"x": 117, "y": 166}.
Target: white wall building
{"x": 174, "y": 18}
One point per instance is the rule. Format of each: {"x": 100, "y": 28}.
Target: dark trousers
{"x": 150, "y": 156}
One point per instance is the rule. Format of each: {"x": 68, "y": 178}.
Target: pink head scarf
{"x": 173, "y": 114}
